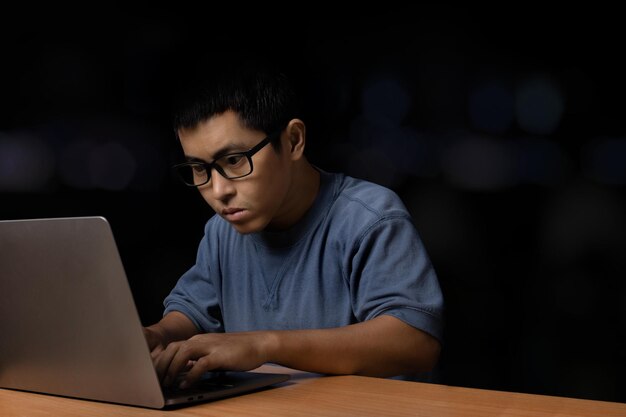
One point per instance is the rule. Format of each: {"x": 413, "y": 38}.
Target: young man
{"x": 299, "y": 267}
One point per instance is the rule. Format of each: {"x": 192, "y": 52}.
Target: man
{"x": 299, "y": 267}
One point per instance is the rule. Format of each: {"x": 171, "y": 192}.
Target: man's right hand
{"x": 173, "y": 327}
{"x": 155, "y": 342}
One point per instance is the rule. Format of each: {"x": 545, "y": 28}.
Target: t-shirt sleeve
{"x": 392, "y": 274}
{"x": 195, "y": 294}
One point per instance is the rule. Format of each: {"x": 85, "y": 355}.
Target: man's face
{"x": 249, "y": 204}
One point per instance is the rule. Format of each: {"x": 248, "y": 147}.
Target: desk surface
{"x": 309, "y": 395}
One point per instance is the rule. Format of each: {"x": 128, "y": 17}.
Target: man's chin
{"x": 247, "y": 227}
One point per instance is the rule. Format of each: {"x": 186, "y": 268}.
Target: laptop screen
{"x": 68, "y": 319}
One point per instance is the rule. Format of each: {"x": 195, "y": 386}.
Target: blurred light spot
{"x": 74, "y": 164}
{"x": 539, "y": 106}
{"x": 111, "y": 166}
{"x": 491, "y": 107}
{"x": 605, "y": 161}
{"x": 385, "y": 102}
{"x": 385, "y": 151}
{"x": 479, "y": 164}
{"x": 540, "y": 161}
{"x": 388, "y": 155}
{"x": 26, "y": 163}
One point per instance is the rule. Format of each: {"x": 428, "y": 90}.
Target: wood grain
{"x": 311, "y": 395}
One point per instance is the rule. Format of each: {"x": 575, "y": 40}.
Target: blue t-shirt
{"x": 354, "y": 256}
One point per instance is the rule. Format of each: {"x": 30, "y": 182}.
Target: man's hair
{"x": 258, "y": 92}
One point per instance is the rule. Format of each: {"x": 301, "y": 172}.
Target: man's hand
{"x": 155, "y": 342}
{"x": 209, "y": 352}
{"x": 174, "y": 326}
{"x": 383, "y": 346}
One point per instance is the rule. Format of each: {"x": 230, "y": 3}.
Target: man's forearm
{"x": 384, "y": 346}
{"x": 172, "y": 327}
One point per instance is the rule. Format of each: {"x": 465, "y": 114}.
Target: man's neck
{"x": 302, "y": 194}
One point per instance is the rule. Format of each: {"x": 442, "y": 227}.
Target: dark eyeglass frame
{"x": 208, "y": 166}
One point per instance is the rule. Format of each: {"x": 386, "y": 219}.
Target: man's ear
{"x": 296, "y": 138}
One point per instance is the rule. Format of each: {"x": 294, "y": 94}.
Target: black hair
{"x": 259, "y": 92}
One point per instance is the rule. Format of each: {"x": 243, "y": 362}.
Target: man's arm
{"x": 384, "y": 346}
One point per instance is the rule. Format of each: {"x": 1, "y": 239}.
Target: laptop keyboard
{"x": 211, "y": 381}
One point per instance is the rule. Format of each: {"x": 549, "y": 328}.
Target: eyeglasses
{"x": 230, "y": 166}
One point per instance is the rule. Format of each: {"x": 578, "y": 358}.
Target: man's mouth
{"x": 233, "y": 214}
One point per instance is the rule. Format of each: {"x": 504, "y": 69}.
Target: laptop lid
{"x": 68, "y": 320}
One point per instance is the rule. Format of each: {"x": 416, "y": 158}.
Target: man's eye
{"x": 198, "y": 169}
{"x": 233, "y": 159}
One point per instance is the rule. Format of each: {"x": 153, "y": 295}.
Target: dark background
{"x": 502, "y": 130}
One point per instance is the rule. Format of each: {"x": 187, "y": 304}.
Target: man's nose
{"x": 221, "y": 187}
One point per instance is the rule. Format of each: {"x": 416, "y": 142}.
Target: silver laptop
{"x": 69, "y": 325}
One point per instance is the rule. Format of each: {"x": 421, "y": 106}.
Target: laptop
{"x": 69, "y": 325}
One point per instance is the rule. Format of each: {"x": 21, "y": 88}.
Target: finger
{"x": 189, "y": 365}
{"x": 184, "y": 355}
{"x": 201, "y": 366}
{"x": 154, "y": 353}
{"x": 163, "y": 362}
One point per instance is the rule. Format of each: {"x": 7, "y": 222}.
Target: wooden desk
{"x": 307, "y": 395}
